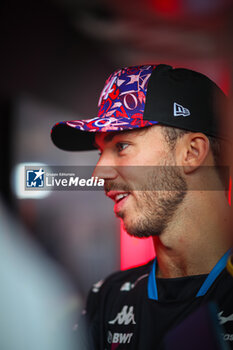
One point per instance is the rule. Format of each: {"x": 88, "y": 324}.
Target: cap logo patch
{"x": 180, "y": 110}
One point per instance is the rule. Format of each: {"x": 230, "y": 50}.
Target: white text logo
{"x": 119, "y": 338}
{"x": 223, "y": 320}
{"x": 126, "y": 316}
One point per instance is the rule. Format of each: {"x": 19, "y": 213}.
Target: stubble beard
{"x": 155, "y": 209}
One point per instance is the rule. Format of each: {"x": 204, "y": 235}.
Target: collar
{"x": 212, "y": 276}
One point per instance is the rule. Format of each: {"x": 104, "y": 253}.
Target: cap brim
{"x": 71, "y": 139}
{"x": 78, "y": 135}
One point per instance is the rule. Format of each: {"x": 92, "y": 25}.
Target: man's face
{"x": 139, "y": 168}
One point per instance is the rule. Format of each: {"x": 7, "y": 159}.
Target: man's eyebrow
{"x": 107, "y": 138}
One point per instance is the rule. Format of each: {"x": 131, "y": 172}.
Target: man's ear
{"x": 192, "y": 151}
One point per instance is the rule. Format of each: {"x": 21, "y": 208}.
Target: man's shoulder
{"x": 124, "y": 279}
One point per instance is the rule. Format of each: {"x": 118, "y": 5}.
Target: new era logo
{"x": 180, "y": 110}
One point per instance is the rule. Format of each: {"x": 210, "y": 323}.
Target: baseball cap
{"x": 146, "y": 95}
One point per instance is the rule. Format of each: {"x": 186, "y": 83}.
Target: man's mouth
{"x": 117, "y": 196}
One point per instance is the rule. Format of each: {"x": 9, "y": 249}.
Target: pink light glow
{"x": 135, "y": 251}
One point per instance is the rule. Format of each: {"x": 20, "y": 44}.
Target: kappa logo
{"x": 125, "y": 316}
{"x": 223, "y": 320}
{"x": 180, "y": 110}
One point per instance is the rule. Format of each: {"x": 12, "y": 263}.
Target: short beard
{"x": 157, "y": 208}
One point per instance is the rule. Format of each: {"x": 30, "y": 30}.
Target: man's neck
{"x": 195, "y": 240}
{"x": 173, "y": 265}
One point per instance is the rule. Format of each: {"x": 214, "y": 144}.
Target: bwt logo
{"x": 35, "y": 178}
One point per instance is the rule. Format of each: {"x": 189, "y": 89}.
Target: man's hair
{"x": 172, "y": 134}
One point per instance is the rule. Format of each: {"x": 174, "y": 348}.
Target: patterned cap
{"x": 140, "y": 96}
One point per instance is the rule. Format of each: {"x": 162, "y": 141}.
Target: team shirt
{"x": 133, "y": 309}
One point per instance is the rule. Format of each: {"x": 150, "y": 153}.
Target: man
{"x": 158, "y": 136}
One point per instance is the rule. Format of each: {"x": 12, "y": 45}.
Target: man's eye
{"x": 121, "y": 146}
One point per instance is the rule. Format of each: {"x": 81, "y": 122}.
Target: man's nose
{"x": 105, "y": 169}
